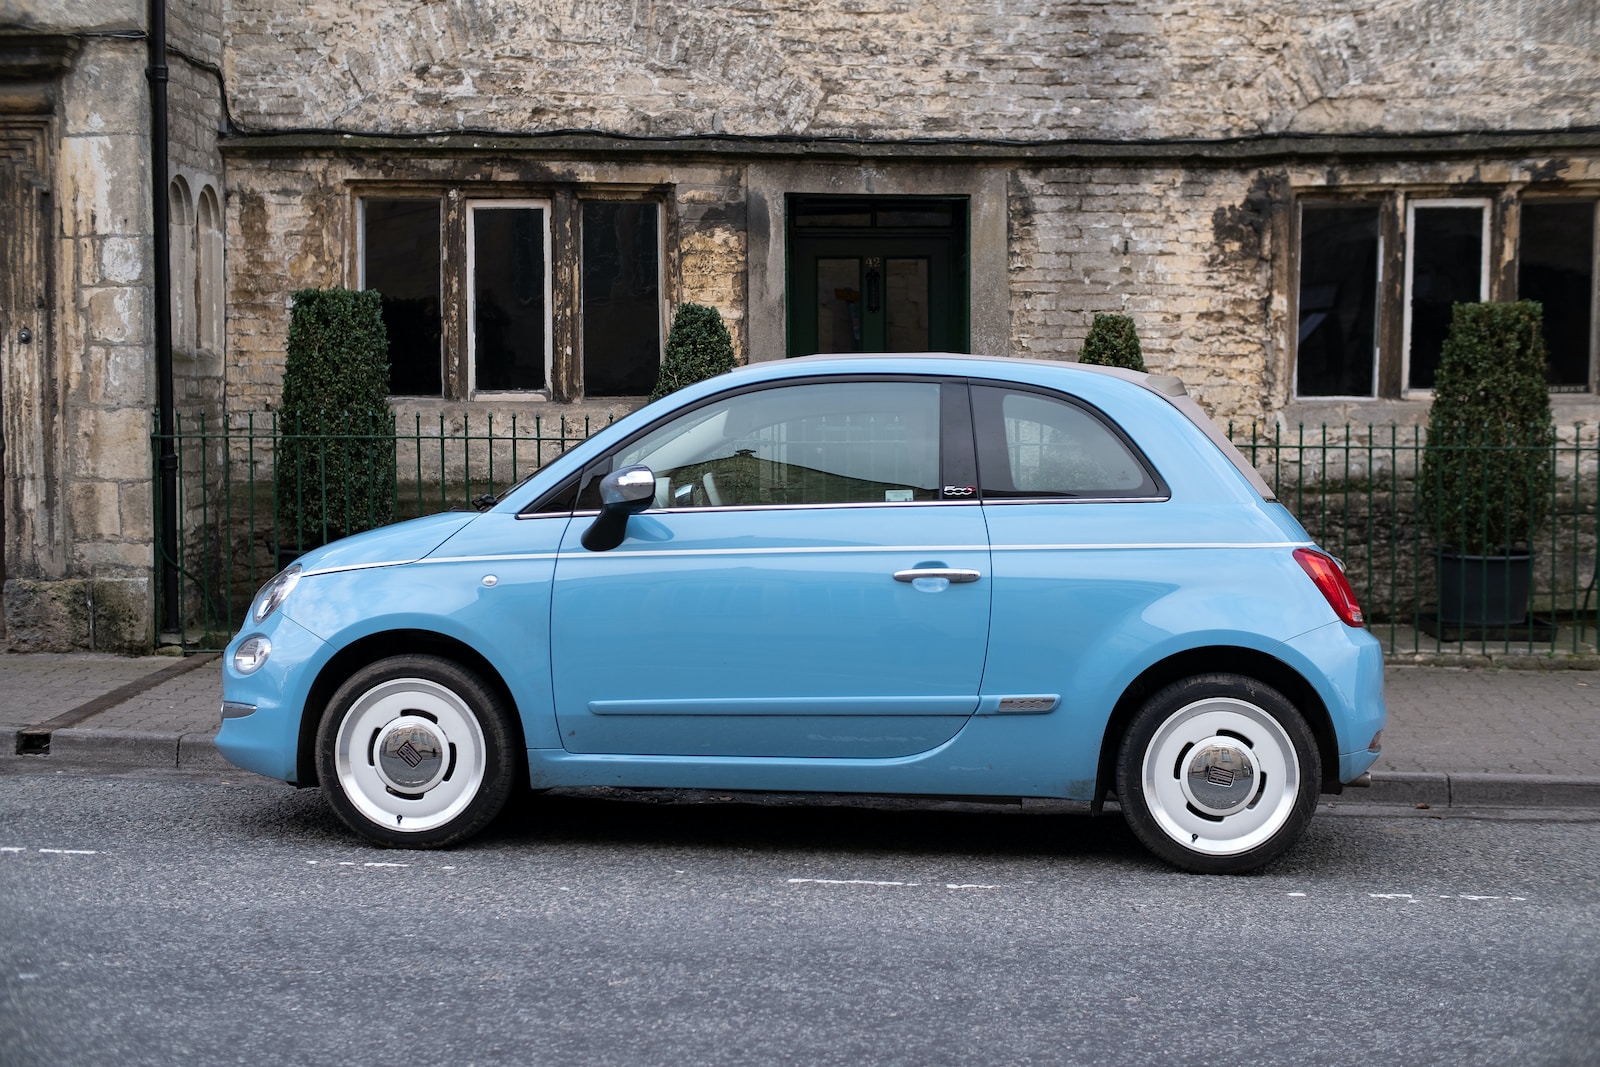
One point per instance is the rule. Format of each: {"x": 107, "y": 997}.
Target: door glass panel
{"x": 1446, "y": 269}
{"x": 508, "y": 298}
{"x": 906, "y": 305}
{"x": 1556, "y": 253}
{"x": 400, "y": 259}
{"x": 839, "y": 305}
{"x": 837, "y": 443}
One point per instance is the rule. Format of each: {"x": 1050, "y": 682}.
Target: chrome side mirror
{"x": 622, "y": 493}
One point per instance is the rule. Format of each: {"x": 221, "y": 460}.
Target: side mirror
{"x": 622, "y": 493}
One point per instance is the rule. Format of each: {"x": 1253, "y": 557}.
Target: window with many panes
{"x": 498, "y": 338}
{"x": 1442, "y": 258}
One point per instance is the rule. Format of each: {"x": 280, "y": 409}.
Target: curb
{"x": 135, "y": 748}
{"x": 1468, "y": 790}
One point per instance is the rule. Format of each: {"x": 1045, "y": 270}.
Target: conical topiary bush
{"x": 1112, "y": 342}
{"x": 1487, "y": 467}
{"x": 698, "y": 347}
{"x": 335, "y": 470}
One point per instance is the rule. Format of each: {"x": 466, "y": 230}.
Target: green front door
{"x": 877, "y": 275}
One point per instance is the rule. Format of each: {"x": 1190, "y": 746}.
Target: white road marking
{"x": 11, "y": 848}
{"x": 69, "y": 851}
{"x": 386, "y": 865}
{"x": 850, "y": 881}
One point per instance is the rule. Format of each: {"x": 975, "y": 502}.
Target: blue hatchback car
{"x": 935, "y": 575}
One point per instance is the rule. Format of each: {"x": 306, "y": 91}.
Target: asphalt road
{"x": 160, "y": 919}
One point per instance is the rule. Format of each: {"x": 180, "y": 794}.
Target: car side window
{"x": 1033, "y": 445}
{"x": 856, "y": 442}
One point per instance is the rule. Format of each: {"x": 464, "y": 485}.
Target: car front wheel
{"x": 1218, "y": 774}
{"x": 416, "y": 752}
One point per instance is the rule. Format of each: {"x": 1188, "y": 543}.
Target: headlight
{"x": 274, "y": 593}
{"x": 251, "y": 654}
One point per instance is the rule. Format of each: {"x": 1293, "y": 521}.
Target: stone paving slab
{"x": 1457, "y": 737}
{"x": 1469, "y": 721}
{"x": 39, "y": 686}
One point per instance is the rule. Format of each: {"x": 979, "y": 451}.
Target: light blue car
{"x": 936, "y": 575}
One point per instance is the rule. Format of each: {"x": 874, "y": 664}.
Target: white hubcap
{"x": 1221, "y": 776}
{"x": 410, "y": 754}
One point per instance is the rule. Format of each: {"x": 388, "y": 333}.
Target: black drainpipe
{"x": 163, "y": 307}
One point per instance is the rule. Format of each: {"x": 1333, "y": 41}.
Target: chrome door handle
{"x": 954, "y": 576}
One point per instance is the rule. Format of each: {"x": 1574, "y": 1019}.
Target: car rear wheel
{"x": 416, "y": 752}
{"x": 1218, "y": 774}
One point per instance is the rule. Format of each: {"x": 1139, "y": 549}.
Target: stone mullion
{"x": 455, "y": 276}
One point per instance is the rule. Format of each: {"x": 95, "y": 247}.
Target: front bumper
{"x": 267, "y": 740}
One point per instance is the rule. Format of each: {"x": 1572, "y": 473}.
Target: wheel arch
{"x": 373, "y": 647}
{"x": 1213, "y": 660}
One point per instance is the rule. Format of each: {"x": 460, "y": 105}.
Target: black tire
{"x": 416, "y": 751}
{"x": 1218, "y": 774}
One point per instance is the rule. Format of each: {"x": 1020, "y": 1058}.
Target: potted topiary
{"x": 698, "y": 347}
{"x": 1487, "y": 466}
{"x": 335, "y": 467}
{"x": 1112, "y": 342}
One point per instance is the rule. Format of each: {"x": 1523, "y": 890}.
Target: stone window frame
{"x": 564, "y": 376}
{"x": 1413, "y": 204}
{"x": 210, "y": 306}
{"x": 1502, "y": 205}
{"x": 469, "y": 355}
{"x": 181, "y": 263}
{"x": 195, "y": 228}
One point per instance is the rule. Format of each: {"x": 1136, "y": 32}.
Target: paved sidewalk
{"x": 1457, "y": 737}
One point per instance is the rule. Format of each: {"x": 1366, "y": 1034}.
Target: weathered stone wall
{"x": 891, "y": 69}
{"x": 79, "y": 568}
{"x": 1184, "y": 252}
{"x": 103, "y": 351}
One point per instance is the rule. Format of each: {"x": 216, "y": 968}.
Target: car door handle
{"x": 953, "y": 575}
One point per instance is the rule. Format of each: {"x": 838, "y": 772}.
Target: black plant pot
{"x": 1484, "y": 591}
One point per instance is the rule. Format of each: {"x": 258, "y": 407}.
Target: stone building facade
{"x": 1281, "y": 194}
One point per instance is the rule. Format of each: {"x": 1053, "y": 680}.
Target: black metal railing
{"x": 1370, "y": 495}
{"x": 253, "y": 493}
{"x": 1358, "y": 490}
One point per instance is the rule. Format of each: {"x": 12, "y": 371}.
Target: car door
{"x": 811, "y": 580}
{"x": 1075, "y": 514}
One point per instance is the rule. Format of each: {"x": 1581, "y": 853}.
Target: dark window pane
{"x": 621, "y": 298}
{"x": 508, "y": 312}
{"x": 1338, "y": 300}
{"x": 1446, "y": 269}
{"x": 931, "y": 214}
{"x": 828, "y": 212}
{"x": 400, "y": 253}
{"x": 1556, "y": 254}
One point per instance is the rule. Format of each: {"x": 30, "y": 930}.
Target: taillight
{"x": 1329, "y": 577}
